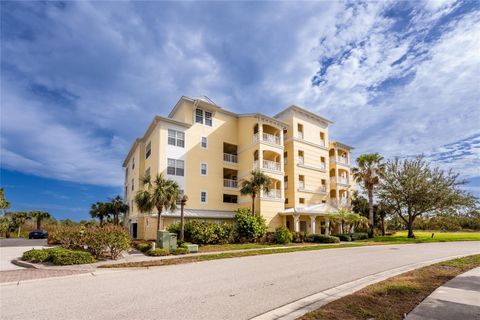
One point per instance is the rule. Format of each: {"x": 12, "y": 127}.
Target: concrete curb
{"x": 302, "y": 306}
{"x": 23, "y": 264}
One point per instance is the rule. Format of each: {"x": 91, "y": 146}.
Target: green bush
{"x": 179, "y": 251}
{"x": 299, "y": 237}
{"x": 60, "y": 256}
{"x": 344, "y": 237}
{"x": 157, "y": 252}
{"x": 144, "y": 247}
{"x": 36, "y": 255}
{"x": 282, "y": 235}
{"x": 69, "y": 237}
{"x": 249, "y": 227}
{"x": 201, "y": 232}
{"x": 116, "y": 240}
{"x": 94, "y": 240}
{"x": 359, "y": 236}
{"x": 320, "y": 238}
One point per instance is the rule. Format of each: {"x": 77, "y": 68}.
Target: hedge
{"x": 58, "y": 256}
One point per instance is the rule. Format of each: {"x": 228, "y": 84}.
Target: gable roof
{"x": 298, "y": 109}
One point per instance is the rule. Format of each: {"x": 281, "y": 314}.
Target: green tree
{"x": 17, "y": 220}
{"x": 411, "y": 188}
{"x": 258, "y": 182}
{"x": 117, "y": 207}
{"x": 161, "y": 193}
{"x": 39, "y": 216}
{"x": 249, "y": 227}
{"x": 368, "y": 172}
{"x": 4, "y": 204}
{"x": 101, "y": 211}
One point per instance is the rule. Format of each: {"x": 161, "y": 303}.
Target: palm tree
{"x": 117, "y": 207}
{"x": 39, "y": 216}
{"x": 99, "y": 210}
{"x": 258, "y": 182}
{"x": 160, "y": 194}
{"x": 368, "y": 173}
{"x": 18, "y": 219}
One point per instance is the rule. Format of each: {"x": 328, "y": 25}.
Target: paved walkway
{"x": 459, "y": 298}
{"x": 30, "y": 274}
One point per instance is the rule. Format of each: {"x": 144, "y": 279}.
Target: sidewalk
{"x": 459, "y": 298}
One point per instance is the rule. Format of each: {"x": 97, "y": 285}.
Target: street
{"x": 238, "y": 288}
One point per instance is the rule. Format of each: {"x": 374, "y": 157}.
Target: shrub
{"x": 116, "y": 240}
{"x": 344, "y": 237}
{"x": 157, "y": 252}
{"x": 202, "y": 232}
{"x": 359, "y": 236}
{"x": 36, "y": 255}
{"x": 282, "y": 236}
{"x": 144, "y": 247}
{"x": 249, "y": 227}
{"x": 94, "y": 240}
{"x": 61, "y": 256}
{"x": 320, "y": 238}
{"x": 69, "y": 237}
{"x": 180, "y": 251}
{"x": 299, "y": 237}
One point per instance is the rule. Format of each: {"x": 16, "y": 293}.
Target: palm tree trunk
{"x": 182, "y": 222}
{"x": 370, "y": 212}
{"x": 39, "y": 223}
{"x": 159, "y": 225}
{"x": 253, "y": 203}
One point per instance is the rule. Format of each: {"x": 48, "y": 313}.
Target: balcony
{"x": 342, "y": 160}
{"x": 322, "y": 166}
{"x": 267, "y": 137}
{"x": 322, "y": 143}
{"x": 339, "y": 180}
{"x": 269, "y": 165}
{"x": 273, "y": 194}
{"x": 323, "y": 188}
{"x": 230, "y": 158}
{"x": 300, "y": 135}
{"x": 301, "y": 185}
{"x": 230, "y": 183}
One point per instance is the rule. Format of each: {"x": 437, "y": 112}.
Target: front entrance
{"x": 134, "y": 230}
{"x": 303, "y": 226}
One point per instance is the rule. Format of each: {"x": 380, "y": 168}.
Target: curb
{"x": 23, "y": 264}
{"x": 312, "y": 302}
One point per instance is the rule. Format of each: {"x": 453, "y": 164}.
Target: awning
{"x": 200, "y": 214}
{"x": 313, "y": 210}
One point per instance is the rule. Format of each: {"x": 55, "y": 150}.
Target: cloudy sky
{"x": 81, "y": 80}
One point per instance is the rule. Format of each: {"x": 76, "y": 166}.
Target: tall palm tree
{"x": 117, "y": 207}
{"x": 18, "y": 219}
{"x": 257, "y": 182}
{"x": 39, "y": 216}
{"x": 99, "y": 210}
{"x": 161, "y": 193}
{"x": 368, "y": 172}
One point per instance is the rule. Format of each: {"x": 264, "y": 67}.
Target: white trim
{"x": 201, "y": 168}
{"x": 206, "y": 197}
{"x": 206, "y": 143}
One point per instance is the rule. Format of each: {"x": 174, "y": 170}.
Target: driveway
{"x": 238, "y": 288}
{"x": 14, "y": 247}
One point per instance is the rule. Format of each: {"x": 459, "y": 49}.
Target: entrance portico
{"x": 309, "y": 219}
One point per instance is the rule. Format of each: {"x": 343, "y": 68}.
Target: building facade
{"x": 208, "y": 150}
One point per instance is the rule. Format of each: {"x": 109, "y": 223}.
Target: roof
{"x": 201, "y": 214}
{"x": 342, "y": 145}
{"x": 260, "y": 115}
{"x": 204, "y": 100}
{"x": 315, "y": 210}
{"x": 304, "y": 111}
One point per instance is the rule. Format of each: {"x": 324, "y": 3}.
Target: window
{"x": 230, "y": 198}
{"x": 301, "y": 182}
{"x": 133, "y": 184}
{"x": 285, "y": 182}
{"x": 175, "y": 167}
{"x": 133, "y": 163}
{"x": 148, "y": 150}
{"x": 286, "y": 200}
{"x": 126, "y": 191}
{"x": 203, "y": 197}
{"x": 322, "y": 139}
{"x": 203, "y": 169}
{"x": 301, "y": 200}
{"x": 300, "y": 131}
{"x": 204, "y": 143}
{"x": 176, "y": 138}
{"x": 301, "y": 158}
{"x": 131, "y": 207}
{"x": 147, "y": 172}
{"x": 322, "y": 163}
{"x": 201, "y": 115}
{"x": 285, "y": 157}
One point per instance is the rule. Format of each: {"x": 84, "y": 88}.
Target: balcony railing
{"x": 322, "y": 165}
{"x": 267, "y": 137}
{"x": 300, "y": 135}
{"x": 230, "y": 183}
{"x": 301, "y": 185}
{"x": 269, "y": 165}
{"x": 342, "y": 202}
{"x": 322, "y": 143}
{"x": 341, "y": 180}
{"x": 273, "y": 194}
{"x": 342, "y": 160}
{"x": 232, "y": 158}
{"x": 301, "y": 160}
{"x": 323, "y": 188}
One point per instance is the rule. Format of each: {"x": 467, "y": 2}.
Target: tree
{"x": 367, "y": 173}
{"x": 99, "y": 210}
{"x": 17, "y": 220}
{"x": 411, "y": 188}
{"x": 160, "y": 194}
{"x": 183, "y": 201}
{"x": 355, "y": 220}
{"x": 117, "y": 206}
{"x": 258, "y": 182}
{"x": 39, "y": 216}
{"x": 4, "y": 204}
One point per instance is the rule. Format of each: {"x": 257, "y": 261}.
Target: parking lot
{"x": 14, "y": 247}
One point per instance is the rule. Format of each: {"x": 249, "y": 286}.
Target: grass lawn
{"x": 392, "y": 298}
{"x": 244, "y": 246}
{"x": 426, "y": 236}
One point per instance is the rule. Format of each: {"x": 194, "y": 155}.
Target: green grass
{"x": 426, "y": 236}
{"x": 244, "y": 246}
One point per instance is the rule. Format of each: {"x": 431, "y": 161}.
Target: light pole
{"x": 183, "y": 201}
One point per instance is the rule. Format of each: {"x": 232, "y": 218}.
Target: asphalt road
{"x": 237, "y": 288}
{"x": 22, "y": 242}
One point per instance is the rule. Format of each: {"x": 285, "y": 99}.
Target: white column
{"x": 284, "y": 221}
{"x": 327, "y": 226}
{"x": 313, "y": 224}
{"x": 296, "y": 223}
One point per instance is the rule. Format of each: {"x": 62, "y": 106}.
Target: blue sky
{"x": 81, "y": 80}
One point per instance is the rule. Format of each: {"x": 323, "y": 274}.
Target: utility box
{"x": 192, "y": 248}
{"x": 166, "y": 240}
{"x": 173, "y": 241}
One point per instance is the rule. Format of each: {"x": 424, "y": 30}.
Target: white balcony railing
{"x": 273, "y": 194}
{"x": 232, "y": 158}
{"x": 267, "y": 137}
{"x": 322, "y": 143}
{"x": 230, "y": 183}
{"x": 300, "y": 135}
{"x": 342, "y": 160}
{"x": 301, "y": 160}
{"x": 269, "y": 165}
{"x": 322, "y": 165}
{"x": 323, "y": 188}
{"x": 342, "y": 180}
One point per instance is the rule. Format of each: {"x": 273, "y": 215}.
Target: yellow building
{"x": 208, "y": 150}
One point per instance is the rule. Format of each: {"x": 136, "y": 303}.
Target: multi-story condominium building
{"x": 208, "y": 150}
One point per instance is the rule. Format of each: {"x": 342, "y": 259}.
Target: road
{"x": 14, "y": 247}
{"x": 237, "y": 288}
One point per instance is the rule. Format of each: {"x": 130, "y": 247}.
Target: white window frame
{"x": 204, "y": 117}
{"x": 148, "y": 149}
{"x": 133, "y": 184}
{"x": 206, "y": 197}
{"x": 176, "y": 167}
{"x": 208, "y": 119}
{"x": 202, "y": 143}
{"x": 176, "y": 138}
{"x": 201, "y": 169}
{"x": 199, "y": 115}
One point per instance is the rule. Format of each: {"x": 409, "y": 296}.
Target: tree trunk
{"x": 383, "y": 225}
{"x": 182, "y": 222}
{"x": 39, "y": 223}
{"x": 253, "y": 203}
{"x": 101, "y": 221}
{"x": 19, "y": 229}
{"x": 159, "y": 225}
{"x": 410, "y": 227}
{"x": 370, "y": 213}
